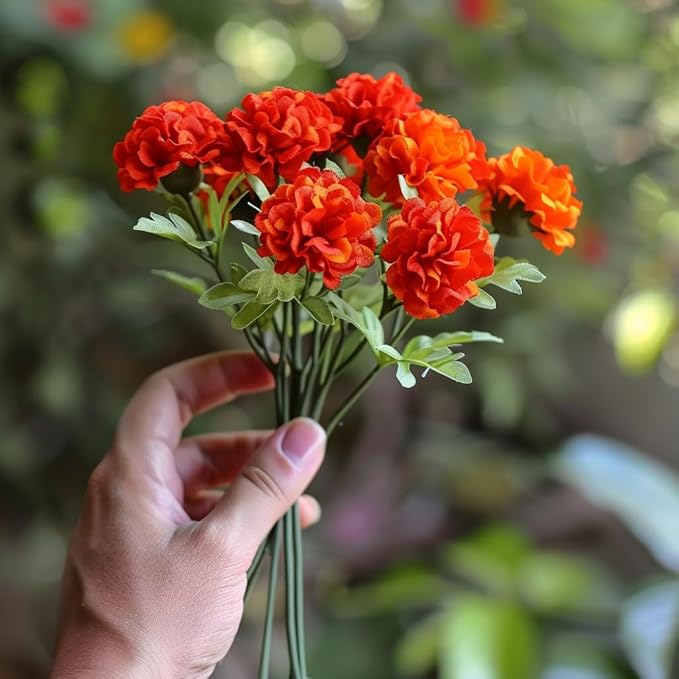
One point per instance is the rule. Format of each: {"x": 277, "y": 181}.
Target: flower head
{"x": 319, "y": 221}
{"x": 163, "y": 138}
{"x": 276, "y": 132}
{"x": 526, "y": 181}
{"x": 437, "y": 251}
{"x": 432, "y": 151}
{"x": 363, "y": 105}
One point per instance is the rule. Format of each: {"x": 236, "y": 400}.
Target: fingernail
{"x": 302, "y": 437}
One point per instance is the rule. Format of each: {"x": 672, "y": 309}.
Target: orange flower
{"x": 431, "y": 150}
{"x": 276, "y": 132}
{"x": 163, "y": 138}
{"x": 526, "y": 181}
{"x": 363, "y": 105}
{"x": 437, "y": 251}
{"x": 319, "y": 221}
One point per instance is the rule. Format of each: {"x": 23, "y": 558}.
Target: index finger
{"x": 166, "y": 401}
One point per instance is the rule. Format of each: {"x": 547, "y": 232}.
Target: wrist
{"x": 83, "y": 651}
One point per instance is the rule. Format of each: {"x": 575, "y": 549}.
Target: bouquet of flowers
{"x": 349, "y": 208}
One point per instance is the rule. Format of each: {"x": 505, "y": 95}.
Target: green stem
{"x": 291, "y": 597}
{"x": 264, "y": 660}
{"x": 299, "y": 585}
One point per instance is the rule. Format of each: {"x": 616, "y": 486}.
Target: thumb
{"x": 272, "y": 481}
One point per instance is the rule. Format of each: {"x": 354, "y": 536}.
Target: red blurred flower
{"x": 434, "y": 153}
{"x": 363, "y": 105}
{"x": 165, "y": 137}
{"x": 477, "y": 12}
{"x": 525, "y": 182}
{"x": 68, "y": 15}
{"x": 276, "y": 132}
{"x": 437, "y": 251}
{"x": 319, "y": 221}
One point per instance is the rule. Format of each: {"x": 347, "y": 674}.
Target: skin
{"x": 156, "y": 570}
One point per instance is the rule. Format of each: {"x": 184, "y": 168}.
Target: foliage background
{"x": 455, "y": 541}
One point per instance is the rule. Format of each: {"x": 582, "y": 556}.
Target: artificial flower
{"x": 437, "y": 251}
{"x": 319, "y": 221}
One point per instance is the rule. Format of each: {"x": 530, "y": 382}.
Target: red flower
{"x": 432, "y": 151}
{"x": 68, "y": 15}
{"x": 437, "y": 251}
{"x": 276, "y": 132}
{"x": 363, "y": 105}
{"x": 526, "y": 181}
{"x": 319, "y": 221}
{"x": 164, "y": 137}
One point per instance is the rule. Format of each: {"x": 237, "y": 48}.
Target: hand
{"x": 156, "y": 570}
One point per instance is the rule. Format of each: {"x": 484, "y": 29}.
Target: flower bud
{"x": 184, "y": 180}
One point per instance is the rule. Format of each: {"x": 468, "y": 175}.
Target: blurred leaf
{"x": 194, "y": 285}
{"x": 258, "y": 186}
{"x": 491, "y": 558}
{"x": 406, "y": 587}
{"x": 649, "y": 630}
{"x": 488, "y": 639}
{"x": 549, "y": 581}
{"x": 418, "y": 650}
{"x": 334, "y": 167}
{"x": 643, "y": 493}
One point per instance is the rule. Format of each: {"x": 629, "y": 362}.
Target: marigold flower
{"x": 164, "y": 137}
{"x": 432, "y": 151}
{"x": 276, "y": 132}
{"x": 363, "y": 105}
{"x": 437, "y": 251}
{"x": 319, "y": 221}
{"x": 525, "y": 180}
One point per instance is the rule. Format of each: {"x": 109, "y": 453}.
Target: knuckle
{"x": 265, "y": 483}
{"x": 214, "y": 539}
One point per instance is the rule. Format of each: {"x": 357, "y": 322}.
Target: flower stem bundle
{"x": 329, "y": 224}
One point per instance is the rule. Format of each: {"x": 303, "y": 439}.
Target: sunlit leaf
{"x": 245, "y": 227}
{"x": 173, "y": 227}
{"x": 508, "y": 272}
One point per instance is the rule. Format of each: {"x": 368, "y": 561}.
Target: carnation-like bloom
{"x": 319, "y": 221}
{"x": 163, "y": 138}
{"x": 526, "y": 181}
{"x": 363, "y": 105}
{"x": 437, "y": 251}
{"x": 276, "y": 132}
{"x": 431, "y": 150}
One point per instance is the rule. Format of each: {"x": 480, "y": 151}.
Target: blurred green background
{"x": 469, "y": 532}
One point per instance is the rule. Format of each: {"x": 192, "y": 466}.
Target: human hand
{"x": 156, "y": 570}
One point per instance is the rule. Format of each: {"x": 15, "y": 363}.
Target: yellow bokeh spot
{"x": 641, "y": 326}
{"x": 146, "y": 36}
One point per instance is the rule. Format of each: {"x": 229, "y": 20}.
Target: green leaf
{"x": 494, "y": 240}
{"x": 447, "y": 339}
{"x": 318, "y": 309}
{"x": 350, "y": 281}
{"x": 488, "y": 639}
{"x": 374, "y": 332}
{"x": 642, "y": 492}
{"x": 237, "y": 272}
{"x": 224, "y": 295}
{"x": 334, "y": 167}
{"x": 407, "y": 191}
{"x": 195, "y": 285}
{"x": 258, "y": 261}
{"x": 249, "y": 313}
{"x": 649, "y": 630}
{"x": 404, "y": 375}
{"x": 245, "y": 227}
{"x": 269, "y": 285}
{"x": 483, "y": 300}
{"x": 173, "y": 227}
{"x": 258, "y": 186}
{"x": 452, "y": 369}
{"x": 508, "y": 272}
